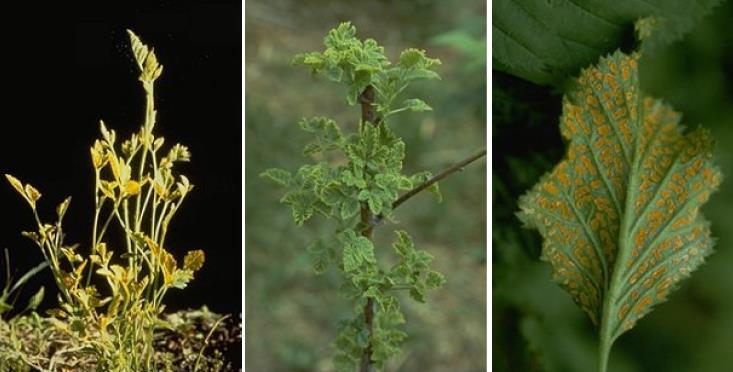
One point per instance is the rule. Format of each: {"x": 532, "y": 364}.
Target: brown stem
{"x": 366, "y": 99}
{"x": 445, "y": 173}
{"x": 368, "y": 114}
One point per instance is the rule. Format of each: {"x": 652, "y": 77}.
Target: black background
{"x": 66, "y": 67}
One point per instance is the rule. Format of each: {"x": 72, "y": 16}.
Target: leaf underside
{"x": 619, "y": 216}
{"x": 547, "y": 41}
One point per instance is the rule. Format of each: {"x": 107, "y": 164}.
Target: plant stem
{"x": 445, "y": 173}
{"x": 604, "y": 350}
{"x": 368, "y": 114}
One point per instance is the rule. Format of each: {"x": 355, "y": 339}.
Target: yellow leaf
{"x": 169, "y": 267}
{"x": 79, "y": 269}
{"x": 17, "y": 185}
{"x": 132, "y": 188}
{"x": 97, "y": 155}
{"x": 153, "y": 247}
{"x": 32, "y": 193}
{"x": 108, "y": 188}
{"x": 194, "y": 260}
{"x": 115, "y": 165}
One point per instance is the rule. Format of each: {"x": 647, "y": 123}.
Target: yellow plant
{"x": 137, "y": 188}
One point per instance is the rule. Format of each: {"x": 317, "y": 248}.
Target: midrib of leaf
{"x": 607, "y": 335}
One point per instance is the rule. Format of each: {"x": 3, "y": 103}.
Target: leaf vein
{"x": 591, "y": 236}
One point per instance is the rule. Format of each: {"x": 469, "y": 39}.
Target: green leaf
{"x": 364, "y": 195}
{"x": 434, "y": 280}
{"x": 351, "y": 179}
{"x": 417, "y": 105}
{"x": 312, "y": 148}
{"x": 301, "y": 206}
{"x": 181, "y": 278}
{"x": 620, "y": 214}
{"x": 403, "y": 245}
{"x": 547, "y": 42}
{"x": 433, "y": 189}
{"x": 326, "y": 131}
{"x": 279, "y": 176}
{"x": 341, "y": 37}
{"x": 301, "y": 213}
{"x": 415, "y": 59}
{"x": 357, "y": 250}
{"x": 29, "y": 274}
{"x": 349, "y": 208}
{"x": 417, "y": 292}
{"x": 321, "y": 256}
{"x": 375, "y": 202}
{"x": 35, "y": 300}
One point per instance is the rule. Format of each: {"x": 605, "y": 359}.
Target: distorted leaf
{"x": 139, "y": 50}
{"x": 97, "y": 153}
{"x": 17, "y": 185}
{"x": 108, "y": 135}
{"x": 194, "y": 260}
{"x": 434, "y": 280}
{"x": 620, "y": 214}
{"x": 32, "y": 193}
{"x": 357, "y": 250}
{"x": 169, "y": 266}
{"x": 132, "y": 188}
{"x": 114, "y": 164}
{"x": 181, "y": 278}
{"x": 107, "y": 188}
{"x": 158, "y": 143}
{"x": 279, "y": 176}
{"x": 61, "y": 209}
{"x": 349, "y": 208}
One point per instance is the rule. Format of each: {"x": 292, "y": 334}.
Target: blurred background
{"x": 291, "y": 314}
{"x": 536, "y": 326}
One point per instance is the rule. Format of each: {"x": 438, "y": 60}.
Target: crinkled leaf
{"x": 434, "y": 280}
{"x": 181, "y": 278}
{"x": 326, "y": 131}
{"x": 279, "y": 176}
{"x": 620, "y": 214}
{"x": 375, "y": 202}
{"x": 403, "y": 245}
{"x": 357, "y": 250}
{"x": 349, "y": 208}
{"x": 194, "y": 260}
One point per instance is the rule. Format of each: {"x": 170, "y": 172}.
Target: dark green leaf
{"x": 547, "y": 42}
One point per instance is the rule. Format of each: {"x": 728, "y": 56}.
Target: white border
{"x": 489, "y": 163}
{"x": 243, "y": 316}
